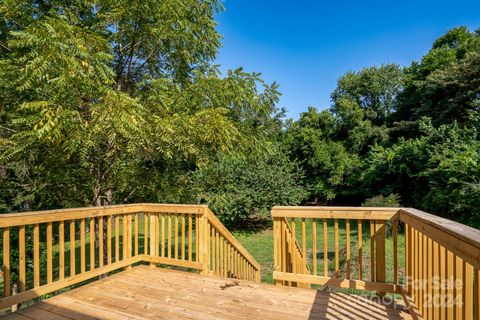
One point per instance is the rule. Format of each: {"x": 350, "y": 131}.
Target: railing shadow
{"x": 336, "y": 306}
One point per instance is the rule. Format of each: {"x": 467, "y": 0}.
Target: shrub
{"x": 242, "y": 192}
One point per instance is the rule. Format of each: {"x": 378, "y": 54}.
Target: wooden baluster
{"x": 124, "y": 237}
{"x": 129, "y": 239}
{"x": 225, "y": 266}
{"x": 197, "y": 238}
{"x": 145, "y": 233}
{"x": 360, "y": 249}
{"x": 135, "y": 230}
{"x": 231, "y": 273}
{"x": 183, "y": 236}
{"x": 476, "y": 293}
{"x": 413, "y": 237}
{"x": 436, "y": 274}
{"x": 347, "y": 230}
{"x": 422, "y": 277}
{"x": 82, "y": 245}
{"x": 72, "y": 248}
{"x": 395, "y": 251}
{"x": 337, "y": 258}
{"x": 451, "y": 284}
{"x": 458, "y": 271}
{"x": 234, "y": 263}
{"x": 237, "y": 261}
{"x": 214, "y": 260}
{"x": 176, "y": 237}
{"x": 6, "y": 262}
{"x": 314, "y": 246}
{"x": 169, "y": 236}
{"x": 117, "y": 238}
{"x": 240, "y": 267}
{"x": 429, "y": 276}
{"x": 175, "y": 234}
{"x": 36, "y": 255}
{"x": 100, "y": 242}
{"x": 92, "y": 244}
{"x": 49, "y": 253}
{"x": 109, "y": 239}
{"x": 372, "y": 250}
{"x": 162, "y": 232}
{"x": 304, "y": 247}
{"x": 206, "y": 231}
{"x": 293, "y": 247}
{"x": 468, "y": 291}
{"x": 190, "y": 227}
{"x": 224, "y": 262}
{"x": 409, "y": 258}
{"x": 283, "y": 251}
{"x": 220, "y": 248}
{"x": 22, "y": 259}
{"x": 244, "y": 269}
{"x": 325, "y": 248}
{"x": 443, "y": 277}
{"x": 380, "y": 267}
{"x": 217, "y": 252}
{"x": 61, "y": 250}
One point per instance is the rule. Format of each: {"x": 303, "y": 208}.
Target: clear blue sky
{"x": 307, "y": 45}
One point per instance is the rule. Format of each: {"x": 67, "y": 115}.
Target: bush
{"x": 242, "y": 192}
{"x": 392, "y": 200}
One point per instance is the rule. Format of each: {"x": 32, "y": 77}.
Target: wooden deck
{"x": 154, "y": 293}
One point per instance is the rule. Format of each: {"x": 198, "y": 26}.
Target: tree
{"x": 325, "y": 162}
{"x": 444, "y": 84}
{"x": 101, "y": 94}
{"x": 437, "y": 171}
{"x": 373, "y": 89}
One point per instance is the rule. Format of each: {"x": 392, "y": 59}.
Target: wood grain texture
{"x": 145, "y": 293}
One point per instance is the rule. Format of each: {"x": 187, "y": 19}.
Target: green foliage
{"x": 444, "y": 85}
{"x": 243, "y": 191}
{"x": 437, "y": 171}
{"x": 325, "y": 162}
{"x": 373, "y": 89}
{"x": 409, "y": 132}
{"x": 392, "y": 200}
{"x": 116, "y": 101}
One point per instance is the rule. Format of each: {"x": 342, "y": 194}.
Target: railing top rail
{"x": 33, "y": 217}
{"x": 461, "y": 239}
{"x": 460, "y": 230}
{"x": 233, "y": 241}
{"x": 326, "y": 212}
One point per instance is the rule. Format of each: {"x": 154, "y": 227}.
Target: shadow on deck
{"x": 155, "y": 293}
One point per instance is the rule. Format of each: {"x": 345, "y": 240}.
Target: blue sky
{"x": 307, "y": 45}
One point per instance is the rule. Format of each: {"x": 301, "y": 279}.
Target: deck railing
{"x": 46, "y": 251}
{"x": 432, "y": 262}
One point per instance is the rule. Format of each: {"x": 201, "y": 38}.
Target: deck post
{"x": 153, "y": 248}
{"x": 203, "y": 246}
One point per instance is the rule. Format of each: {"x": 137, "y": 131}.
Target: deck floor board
{"x": 153, "y": 293}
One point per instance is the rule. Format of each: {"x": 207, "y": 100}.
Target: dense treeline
{"x": 411, "y": 133}
{"x": 106, "y": 102}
